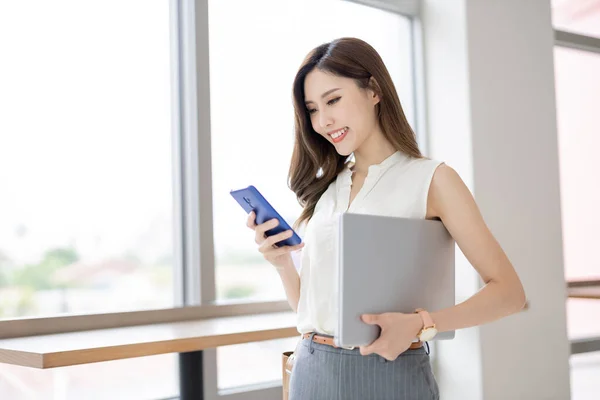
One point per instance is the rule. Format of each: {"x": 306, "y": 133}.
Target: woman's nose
{"x": 325, "y": 120}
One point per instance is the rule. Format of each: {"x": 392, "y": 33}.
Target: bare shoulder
{"x": 445, "y": 176}
{"x": 446, "y": 190}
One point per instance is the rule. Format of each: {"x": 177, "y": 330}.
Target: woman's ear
{"x": 374, "y": 91}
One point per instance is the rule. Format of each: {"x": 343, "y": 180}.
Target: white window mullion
{"x": 198, "y": 219}
{"x": 196, "y": 152}
{"x": 419, "y": 84}
{"x": 177, "y": 160}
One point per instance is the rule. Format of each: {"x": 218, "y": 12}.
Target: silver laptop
{"x": 390, "y": 264}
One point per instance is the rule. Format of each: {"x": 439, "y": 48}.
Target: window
{"x": 577, "y": 16}
{"x": 577, "y": 80}
{"x": 252, "y": 116}
{"x": 249, "y": 363}
{"x": 143, "y": 378}
{"x": 251, "y": 77}
{"x": 86, "y": 190}
{"x": 584, "y": 376}
{"x": 577, "y": 93}
{"x": 85, "y": 157}
{"x": 90, "y": 164}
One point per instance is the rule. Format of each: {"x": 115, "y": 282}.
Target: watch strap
{"x": 427, "y": 320}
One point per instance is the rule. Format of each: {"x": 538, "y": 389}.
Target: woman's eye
{"x": 333, "y": 101}
{"x": 330, "y": 102}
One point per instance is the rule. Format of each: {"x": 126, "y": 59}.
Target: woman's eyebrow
{"x": 323, "y": 95}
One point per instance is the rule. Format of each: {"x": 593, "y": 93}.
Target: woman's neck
{"x": 372, "y": 151}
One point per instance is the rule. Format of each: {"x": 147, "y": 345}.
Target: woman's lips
{"x": 339, "y": 137}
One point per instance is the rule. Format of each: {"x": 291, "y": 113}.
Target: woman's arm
{"x": 450, "y": 200}
{"x": 291, "y": 284}
{"x": 282, "y": 258}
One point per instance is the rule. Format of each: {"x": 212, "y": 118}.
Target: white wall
{"x": 491, "y": 116}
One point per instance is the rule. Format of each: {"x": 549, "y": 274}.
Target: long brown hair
{"x": 315, "y": 162}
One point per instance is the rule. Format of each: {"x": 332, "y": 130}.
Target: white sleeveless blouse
{"x": 397, "y": 187}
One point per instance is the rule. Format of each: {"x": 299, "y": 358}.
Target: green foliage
{"x": 5, "y": 263}
{"x": 60, "y": 257}
{"x": 26, "y": 304}
{"x": 4, "y": 281}
{"x": 239, "y": 292}
{"x": 38, "y": 276}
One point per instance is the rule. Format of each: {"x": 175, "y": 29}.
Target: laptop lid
{"x": 391, "y": 264}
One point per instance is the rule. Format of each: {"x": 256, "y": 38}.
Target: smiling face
{"x": 340, "y": 111}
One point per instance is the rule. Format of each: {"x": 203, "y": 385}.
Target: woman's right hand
{"x": 278, "y": 256}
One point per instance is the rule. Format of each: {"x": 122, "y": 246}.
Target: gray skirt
{"x": 322, "y": 372}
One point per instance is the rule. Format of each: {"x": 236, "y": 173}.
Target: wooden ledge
{"x": 584, "y": 289}
{"x": 65, "y": 349}
{"x": 584, "y": 292}
{"x": 85, "y": 347}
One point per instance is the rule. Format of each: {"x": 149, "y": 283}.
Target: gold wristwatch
{"x": 428, "y": 331}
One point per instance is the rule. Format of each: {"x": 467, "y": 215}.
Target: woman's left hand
{"x": 398, "y": 331}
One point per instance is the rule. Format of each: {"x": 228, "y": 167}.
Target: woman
{"x": 346, "y": 104}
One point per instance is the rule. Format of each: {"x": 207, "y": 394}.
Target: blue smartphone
{"x": 251, "y": 200}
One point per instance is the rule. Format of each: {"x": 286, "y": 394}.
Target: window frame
{"x": 588, "y": 44}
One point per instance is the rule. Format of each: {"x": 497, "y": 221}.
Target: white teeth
{"x": 339, "y": 133}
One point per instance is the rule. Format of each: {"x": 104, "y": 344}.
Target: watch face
{"x": 428, "y": 334}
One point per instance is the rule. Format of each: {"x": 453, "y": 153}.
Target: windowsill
{"x": 85, "y": 347}
{"x": 65, "y": 349}
{"x": 584, "y": 289}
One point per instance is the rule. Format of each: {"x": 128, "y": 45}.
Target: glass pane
{"x": 252, "y": 113}
{"x": 252, "y": 363}
{"x": 582, "y": 318}
{"x": 585, "y": 370}
{"x": 577, "y": 95}
{"x": 577, "y": 16}
{"x": 85, "y": 157}
{"x": 143, "y": 378}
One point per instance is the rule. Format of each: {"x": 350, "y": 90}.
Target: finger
{"x": 271, "y": 240}
{"x": 371, "y": 319}
{"x": 366, "y": 350}
{"x": 282, "y": 250}
{"x": 250, "y": 222}
{"x": 280, "y": 236}
{"x": 262, "y": 228}
{"x": 293, "y": 248}
{"x": 378, "y": 346}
